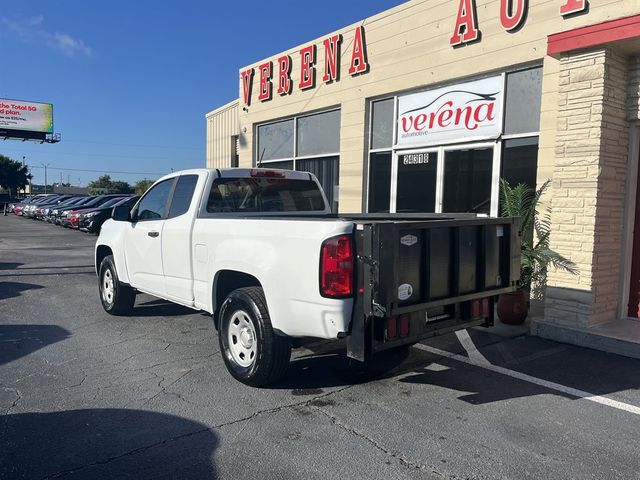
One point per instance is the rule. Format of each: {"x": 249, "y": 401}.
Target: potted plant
{"x": 522, "y": 201}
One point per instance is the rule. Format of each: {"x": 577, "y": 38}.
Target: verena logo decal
{"x": 473, "y": 110}
{"x": 444, "y": 113}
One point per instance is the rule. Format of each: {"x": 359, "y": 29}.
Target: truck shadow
{"x": 21, "y": 340}
{"x": 569, "y": 367}
{"x": 159, "y": 308}
{"x": 327, "y": 366}
{"x": 105, "y": 443}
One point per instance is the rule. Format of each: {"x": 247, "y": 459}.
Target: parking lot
{"x": 87, "y": 395}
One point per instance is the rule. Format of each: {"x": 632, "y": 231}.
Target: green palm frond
{"x": 522, "y": 201}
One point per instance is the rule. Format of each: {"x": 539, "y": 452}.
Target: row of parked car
{"x": 81, "y": 212}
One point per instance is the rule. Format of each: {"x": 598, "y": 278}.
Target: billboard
{"x": 26, "y": 116}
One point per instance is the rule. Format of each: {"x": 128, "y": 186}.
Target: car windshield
{"x": 112, "y": 202}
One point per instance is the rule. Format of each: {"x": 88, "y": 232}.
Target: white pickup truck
{"x": 261, "y": 251}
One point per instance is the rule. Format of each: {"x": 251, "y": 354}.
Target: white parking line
{"x": 528, "y": 378}
{"x": 473, "y": 353}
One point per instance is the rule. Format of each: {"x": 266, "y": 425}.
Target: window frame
{"x": 265, "y": 163}
{"x": 496, "y": 144}
{"x": 136, "y": 208}
{"x": 173, "y": 191}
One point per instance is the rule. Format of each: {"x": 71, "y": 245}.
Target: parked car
{"x": 6, "y": 199}
{"x": 91, "y": 220}
{"x": 29, "y": 210}
{"x": 94, "y": 202}
{"x": 261, "y": 251}
{"x": 47, "y": 210}
{"x": 74, "y": 216}
{"x": 55, "y": 214}
{"x": 39, "y": 211}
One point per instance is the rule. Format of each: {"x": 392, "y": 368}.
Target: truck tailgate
{"x": 418, "y": 279}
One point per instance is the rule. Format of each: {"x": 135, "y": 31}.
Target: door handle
{"x": 153, "y": 234}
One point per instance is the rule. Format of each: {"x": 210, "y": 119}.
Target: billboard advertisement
{"x": 26, "y": 116}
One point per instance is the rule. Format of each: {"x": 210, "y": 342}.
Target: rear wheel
{"x": 251, "y": 350}
{"x": 116, "y": 298}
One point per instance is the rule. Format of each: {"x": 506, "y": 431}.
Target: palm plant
{"x": 522, "y": 201}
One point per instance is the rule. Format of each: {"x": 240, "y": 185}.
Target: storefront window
{"x": 417, "y": 174}
{"x": 524, "y": 92}
{"x": 520, "y": 161}
{"x": 308, "y": 143}
{"x": 318, "y": 134}
{"x": 467, "y": 181}
{"x": 275, "y": 141}
{"x": 382, "y": 124}
{"x": 379, "y": 182}
{"x": 459, "y": 175}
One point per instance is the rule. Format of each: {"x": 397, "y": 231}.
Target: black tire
{"x": 269, "y": 359}
{"x": 119, "y": 299}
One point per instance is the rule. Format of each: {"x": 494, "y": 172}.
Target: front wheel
{"x": 251, "y": 350}
{"x": 117, "y": 298}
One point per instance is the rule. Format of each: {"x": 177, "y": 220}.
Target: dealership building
{"x": 424, "y": 107}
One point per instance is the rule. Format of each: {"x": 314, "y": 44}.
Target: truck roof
{"x": 240, "y": 173}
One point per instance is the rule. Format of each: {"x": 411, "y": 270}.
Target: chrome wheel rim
{"x": 242, "y": 339}
{"x": 107, "y": 287}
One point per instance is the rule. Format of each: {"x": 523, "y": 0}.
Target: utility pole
{"x": 45, "y": 175}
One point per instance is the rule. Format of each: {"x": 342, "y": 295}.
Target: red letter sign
{"x": 332, "y": 58}
{"x": 512, "y": 13}
{"x": 466, "y": 19}
{"x": 247, "y": 82}
{"x": 265, "y": 81}
{"x": 307, "y": 69}
{"x": 284, "y": 75}
{"x": 573, "y": 6}
{"x": 359, "y": 55}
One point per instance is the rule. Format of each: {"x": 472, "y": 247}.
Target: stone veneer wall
{"x": 588, "y": 193}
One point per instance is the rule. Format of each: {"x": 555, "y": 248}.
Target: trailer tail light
{"x": 392, "y": 327}
{"x": 403, "y": 324}
{"x": 480, "y": 308}
{"x": 336, "y": 267}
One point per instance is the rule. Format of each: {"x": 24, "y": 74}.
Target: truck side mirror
{"x": 121, "y": 213}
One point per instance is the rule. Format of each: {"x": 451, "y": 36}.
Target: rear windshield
{"x": 264, "y": 195}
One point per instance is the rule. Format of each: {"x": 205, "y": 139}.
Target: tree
{"x": 104, "y": 185}
{"x": 142, "y": 186}
{"x": 13, "y": 176}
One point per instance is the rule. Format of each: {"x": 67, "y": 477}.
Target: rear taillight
{"x": 336, "y": 267}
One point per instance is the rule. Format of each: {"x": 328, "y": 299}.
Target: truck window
{"x": 154, "y": 203}
{"x": 264, "y": 195}
{"x": 182, "y": 195}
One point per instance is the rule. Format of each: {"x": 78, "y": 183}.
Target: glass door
{"x": 455, "y": 179}
{"x": 416, "y": 180}
{"x": 467, "y": 183}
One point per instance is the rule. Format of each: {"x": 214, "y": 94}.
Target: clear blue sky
{"x": 131, "y": 81}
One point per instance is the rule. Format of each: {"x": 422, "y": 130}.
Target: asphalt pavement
{"x": 84, "y": 395}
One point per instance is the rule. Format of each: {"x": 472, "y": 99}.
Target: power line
{"x": 132, "y": 145}
{"x": 100, "y": 171}
{"x": 152, "y": 157}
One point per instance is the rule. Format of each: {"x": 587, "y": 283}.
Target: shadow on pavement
{"x": 328, "y": 367}
{"x": 9, "y": 265}
{"x": 160, "y": 308}
{"x": 105, "y": 444}
{"x": 15, "y": 289}
{"x": 21, "y": 340}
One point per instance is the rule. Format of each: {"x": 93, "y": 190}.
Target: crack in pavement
{"x": 142, "y": 449}
{"x": 403, "y": 459}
